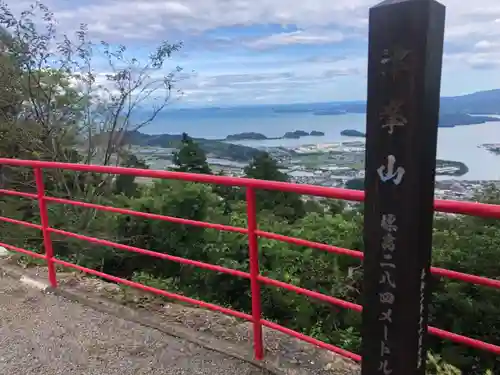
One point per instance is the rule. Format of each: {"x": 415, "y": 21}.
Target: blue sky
{"x": 280, "y": 51}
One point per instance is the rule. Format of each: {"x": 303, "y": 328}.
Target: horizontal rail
{"x": 483, "y": 210}
{"x": 18, "y": 194}
{"x": 22, "y": 251}
{"x": 465, "y": 277}
{"x": 472, "y": 279}
{"x": 320, "y": 191}
{"x": 146, "y": 215}
{"x": 447, "y": 206}
{"x": 450, "y": 274}
{"x": 356, "y": 307}
{"x": 155, "y": 254}
{"x": 160, "y": 292}
{"x": 459, "y": 339}
{"x": 20, "y": 222}
{"x": 310, "y": 293}
{"x": 310, "y": 340}
{"x": 478, "y": 344}
{"x": 311, "y": 244}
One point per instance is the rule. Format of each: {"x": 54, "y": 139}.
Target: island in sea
{"x": 492, "y": 147}
{"x": 246, "y": 136}
{"x": 352, "y": 133}
{"x": 296, "y": 134}
{"x": 260, "y": 137}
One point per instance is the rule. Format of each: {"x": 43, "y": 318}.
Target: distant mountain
{"x": 481, "y": 102}
{"x": 454, "y": 111}
{"x": 450, "y": 120}
{"x": 321, "y": 109}
{"x": 331, "y": 111}
{"x": 446, "y": 120}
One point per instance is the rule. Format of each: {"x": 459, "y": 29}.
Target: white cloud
{"x": 296, "y": 37}
{"x": 202, "y": 15}
{"x": 299, "y": 82}
{"x": 472, "y": 35}
{"x": 110, "y": 17}
{"x": 199, "y": 15}
{"x": 474, "y": 60}
{"x": 467, "y": 23}
{"x": 484, "y": 44}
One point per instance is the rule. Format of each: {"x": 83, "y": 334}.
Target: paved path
{"x": 49, "y": 335}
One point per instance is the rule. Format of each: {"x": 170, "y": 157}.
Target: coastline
{"x": 447, "y": 187}
{"x": 460, "y": 144}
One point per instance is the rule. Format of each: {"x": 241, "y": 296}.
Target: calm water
{"x": 459, "y": 143}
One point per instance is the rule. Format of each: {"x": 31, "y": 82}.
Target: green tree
{"x": 287, "y": 205}
{"x": 125, "y": 184}
{"x": 229, "y": 194}
{"x": 355, "y": 184}
{"x": 10, "y": 99}
{"x": 55, "y": 107}
{"x": 61, "y": 95}
{"x": 190, "y": 157}
{"x": 172, "y": 198}
{"x": 335, "y": 206}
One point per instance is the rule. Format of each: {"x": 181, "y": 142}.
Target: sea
{"x": 460, "y": 143}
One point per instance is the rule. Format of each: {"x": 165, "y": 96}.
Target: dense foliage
{"x": 35, "y": 126}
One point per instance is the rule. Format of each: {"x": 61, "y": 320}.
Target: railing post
{"x": 253, "y": 247}
{"x": 404, "y": 76}
{"x": 44, "y": 217}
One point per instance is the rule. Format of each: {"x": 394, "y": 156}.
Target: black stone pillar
{"x": 404, "y": 76}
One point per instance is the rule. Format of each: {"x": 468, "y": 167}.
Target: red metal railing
{"x": 253, "y": 233}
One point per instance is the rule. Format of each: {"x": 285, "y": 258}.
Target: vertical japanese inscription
{"x": 387, "y": 173}
{"x": 391, "y": 117}
{"x": 388, "y": 283}
{"x": 421, "y": 327}
{"x": 405, "y": 56}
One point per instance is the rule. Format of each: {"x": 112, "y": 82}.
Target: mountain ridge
{"x": 479, "y": 102}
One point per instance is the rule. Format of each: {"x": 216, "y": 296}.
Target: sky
{"x": 279, "y": 51}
